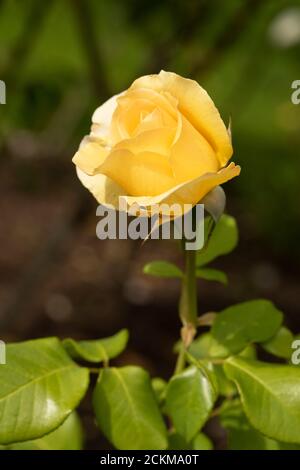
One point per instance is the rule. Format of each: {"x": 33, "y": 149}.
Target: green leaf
{"x": 225, "y": 386}
{"x": 205, "y": 346}
{"x": 249, "y": 439}
{"x": 127, "y": 411}
{"x": 286, "y": 446}
{"x": 270, "y": 396}
{"x": 200, "y": 442}
{"x": 242, "y": 436}
{"x": 280, "y": 344}
{"x": 189, "y": 400}
{"x": 212, "y": 275}
{"x": 159, "y": 387}
{"x": 223, "y": 240}
{"x": 68, "y": 436}
{"x": 162, "y": 269}
{"x": 237, "y": 326}
{"x": 200, "y": 347}
{"x": 40, "y": 386}
{"x": 249, "y": 352}
{"x": 97, "y": 350}
{"x": 177, "y": 442}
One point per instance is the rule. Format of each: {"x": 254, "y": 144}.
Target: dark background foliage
{"x": 60, "y": 60}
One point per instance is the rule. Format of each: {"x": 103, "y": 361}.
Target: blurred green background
{"x": 60, "y": 59}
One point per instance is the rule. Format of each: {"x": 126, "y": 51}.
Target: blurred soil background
{"x": 60, "y": 59}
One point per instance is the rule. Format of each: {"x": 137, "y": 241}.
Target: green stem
{"x": 188, "y": 300}
{"x": 188, "y": 304}
{"x": 180, "y": 363}
{"x": 187, "y": 307}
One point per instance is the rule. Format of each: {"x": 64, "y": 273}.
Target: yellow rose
{"x": 160, "y": 141}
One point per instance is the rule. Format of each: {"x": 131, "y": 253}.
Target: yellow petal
{"x": 90, "y": 156}
{"x": 137, "y": 109}
{"x": 162, "y": 101}
{"x": 142, "y": 174}
{"x": 191, "y": 154}
{"x": 196, "y": 105}
{"x": 127, "y": 117}
{"x": 104, "y": 190}
{"x": 190, "y": 192}
{"x": 155, "y": 141}
{"x": 102, "y": 117}
{"x": 154, "y": 120}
